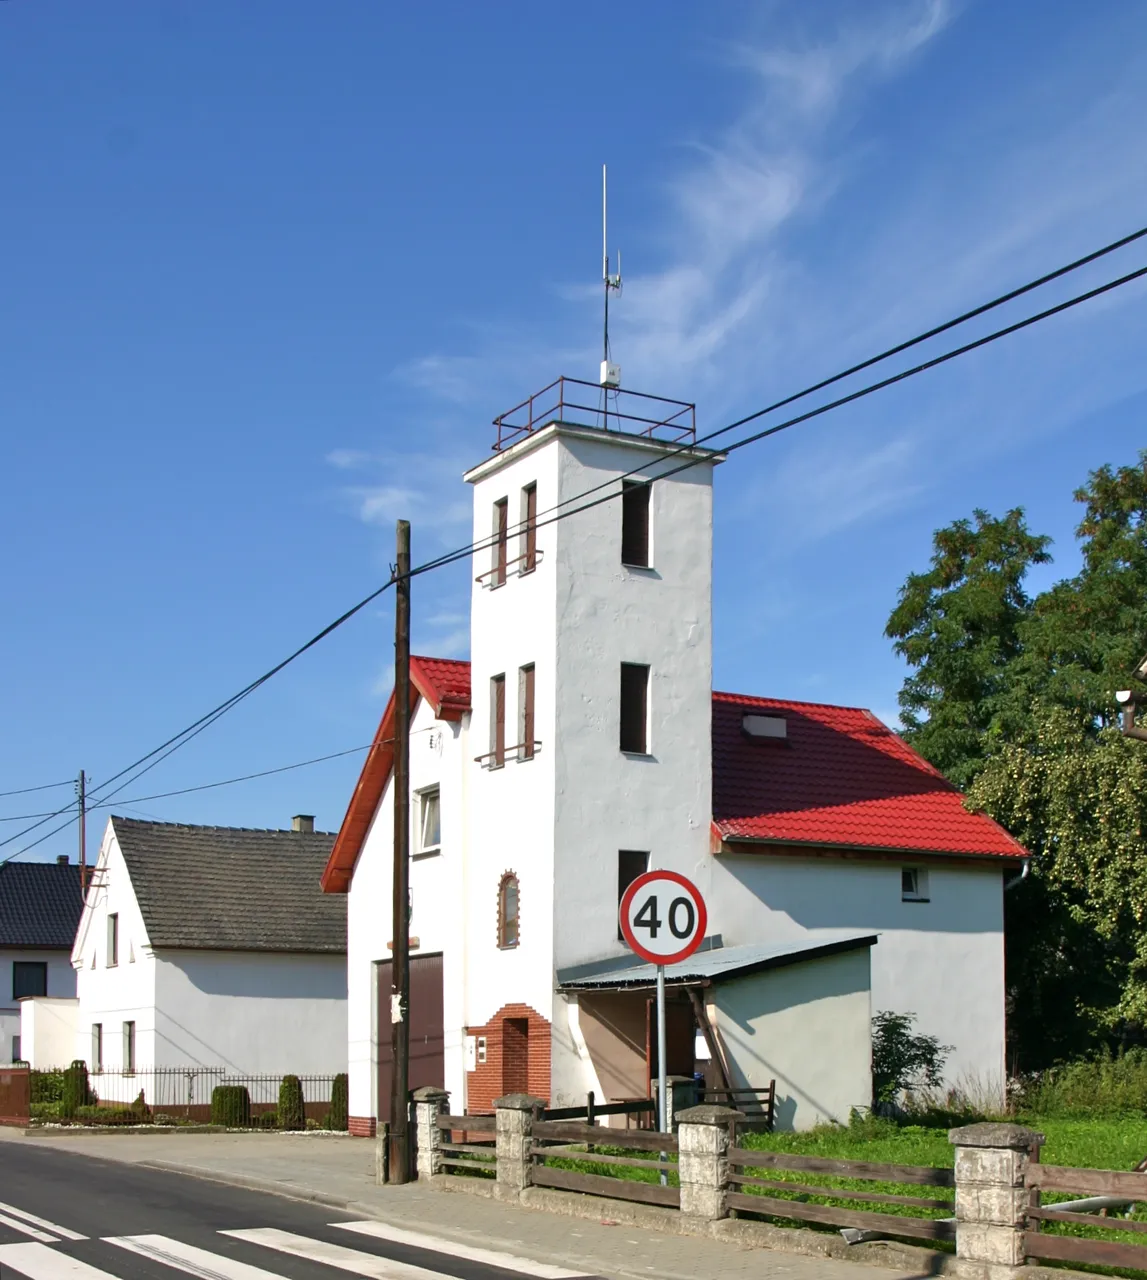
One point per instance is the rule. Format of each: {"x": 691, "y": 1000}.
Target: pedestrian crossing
{"x": 49, "y": 1251}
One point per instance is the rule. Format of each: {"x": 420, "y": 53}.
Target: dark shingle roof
{"x": 40, "y": 904}
{"x": 230, "y": 888}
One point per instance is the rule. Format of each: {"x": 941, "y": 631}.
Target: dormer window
{"x": 635, "y": 523}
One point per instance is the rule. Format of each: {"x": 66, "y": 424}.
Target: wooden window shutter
{"x": 501, "y": 531}
{"x": 530, "y": 550}
{"x": 498, "y": 719}
{"x": 526, "y": 751}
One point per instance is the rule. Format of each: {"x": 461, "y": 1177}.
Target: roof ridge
{"x": 200, "y": 826}
{"x": 800, "y": 702}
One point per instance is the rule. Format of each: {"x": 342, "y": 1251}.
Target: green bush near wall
{"x": 231, "y": 1106}
{"x": 338, "y": 1115}
{"x": 75, "y": 1092}
{"x": 292, "y": 1112}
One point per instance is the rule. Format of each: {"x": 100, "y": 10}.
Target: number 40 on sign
{"x": 663, "y": 917}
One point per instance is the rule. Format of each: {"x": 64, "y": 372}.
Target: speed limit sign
{"x": 663, "y": 917}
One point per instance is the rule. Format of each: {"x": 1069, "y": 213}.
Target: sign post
{"x": 663, "y": 919}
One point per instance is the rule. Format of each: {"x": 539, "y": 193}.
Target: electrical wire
{"x": 180, "y": 739}
{"x": 45, "y": 786}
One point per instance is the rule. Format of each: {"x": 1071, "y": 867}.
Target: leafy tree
{"x": 958, "y": 625}
{"x": 903, "y": 1060}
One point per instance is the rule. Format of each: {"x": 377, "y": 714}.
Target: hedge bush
{"x": 75, "y": 1091}
{"x": 47, "y": 1086}
{"x": 338, "y": 1114}
{"x": 231, "y": 1106}
{"x": 268, "y": 1120}
{"x": 292, "y": 1112}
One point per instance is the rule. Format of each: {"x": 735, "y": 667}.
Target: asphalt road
{"x": 65, "y": 1216}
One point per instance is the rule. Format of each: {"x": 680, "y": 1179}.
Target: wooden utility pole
{"x": 399, "y": 1154}
{"x": 81, "y": 793}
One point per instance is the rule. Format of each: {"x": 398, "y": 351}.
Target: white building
{"x": 40, "y": 905}
{"x": 211, "y": 947}
{"x": 582, "y": 745}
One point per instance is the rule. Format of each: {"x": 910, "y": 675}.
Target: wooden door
{"x": 680, "y": 1039}
{"x": 427, "y": 1033}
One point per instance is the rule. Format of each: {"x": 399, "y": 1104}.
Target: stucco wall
{"x": 48, "y": 1026}
{"x": 251, "y": 1012}
{"x": 61, "y": 982}
{"x": 808, "y": 1026}
{"x": 942, "y": 960}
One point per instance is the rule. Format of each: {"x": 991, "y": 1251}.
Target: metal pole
{"x": 399, "y": 1155}
{"x": 81, "y": 791}
{"x": 662, "y": 1100}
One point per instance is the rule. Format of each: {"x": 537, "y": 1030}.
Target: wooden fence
{"x": 754, "y": 1191}
{"x": 468, "y": 1145}
{"x": 1096, "y": 1250}
{"x": 567, "y": 1141}
{"x": 758, "y": 1104}
{"x": 15, "y": 1095}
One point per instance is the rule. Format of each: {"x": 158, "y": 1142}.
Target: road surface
{"x": 65, "y": 1216}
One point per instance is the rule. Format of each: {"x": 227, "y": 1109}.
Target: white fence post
{"x": 703, "y": 1158}
{"x": 991, "y": 1200}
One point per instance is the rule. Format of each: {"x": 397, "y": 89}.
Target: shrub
{"x": 44, "y": 1111}
{"x": 292, "y": 1112}
{"x": 99, "y": 1117}
{"x": 141, "y": 1110}
{"x": 901, "y": 1060}
{"x": 1103, "y": 1086}
{"x": 231, "y": 1106}
{"x": 269, "y": 1120}
{"x": 338, "y": 1113}
{"x": 47, "y": 1086}
{"x": 75, "y": 1091}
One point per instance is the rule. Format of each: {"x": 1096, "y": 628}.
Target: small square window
{"x": 430, "y": 822}
{"x": 29, "y": 978}
{"x": 913, "y": 884}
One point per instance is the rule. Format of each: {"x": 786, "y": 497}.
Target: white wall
{"x": 250, "y": 1012}
{"x": 61, "y": 982}
{"x": 808, "y": 1026}
{"x": 436, "y": 884}
{"x": 942, "y": 960}
{"x": 48, "y": 1028}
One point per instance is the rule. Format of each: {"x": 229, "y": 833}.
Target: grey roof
{"x": 711, "y": 965}
{"x": 232, "y": 888}
{"x": 40, "y": 904}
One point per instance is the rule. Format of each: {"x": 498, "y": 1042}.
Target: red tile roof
{"x": 841, "y": 778}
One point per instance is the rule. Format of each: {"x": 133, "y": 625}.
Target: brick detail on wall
{"x": 361, "y": 1126}
{"x": 517, "y": 1058}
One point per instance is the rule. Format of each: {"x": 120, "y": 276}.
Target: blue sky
{"x": 270, "y": 269}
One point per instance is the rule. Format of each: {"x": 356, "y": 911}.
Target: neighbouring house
{"x": 582, "y": 745}
{"x": 212, "y": 947}
{"x": 40, "y": 906}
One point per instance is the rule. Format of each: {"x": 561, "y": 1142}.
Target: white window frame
{"x": 918, "y": 890}
{"x": 113, "y": 940}
{"x": 428, "y": 850}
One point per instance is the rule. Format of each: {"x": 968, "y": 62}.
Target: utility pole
{"x": 81, "y": 794}
{"x": 399, "y": 1154}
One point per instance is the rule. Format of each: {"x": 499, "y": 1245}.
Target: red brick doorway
{"x": 516, "y": 1055}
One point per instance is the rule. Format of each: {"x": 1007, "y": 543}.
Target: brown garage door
{"x": 427, "y": 1065}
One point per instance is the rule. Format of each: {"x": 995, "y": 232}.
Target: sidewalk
{"x": 340, "y": 1172}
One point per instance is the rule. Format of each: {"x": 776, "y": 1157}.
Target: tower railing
{"x": 631, "y": 412}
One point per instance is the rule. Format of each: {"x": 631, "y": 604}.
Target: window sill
{"x": 916, "y": 900}
{"x": 426, "y": 853}
{"x": 114, "y": 964}
{"x": 637, "y": 755}
{"x": 647, "y": 569}
{"x": 507, "y": 946}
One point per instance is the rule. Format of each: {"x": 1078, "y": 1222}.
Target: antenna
{"x": 610, "y": 372}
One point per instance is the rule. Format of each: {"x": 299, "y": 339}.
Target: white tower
{"x": 591, "y": 662}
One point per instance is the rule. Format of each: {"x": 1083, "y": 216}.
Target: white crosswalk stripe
{"x": 42, "y": 1262}
{"x": 188, "y": 1257}
{"x": 42, "y": 1223}
{"x": 15, "y": 1224}
{"x": 334, "y": 1255}
{"x": 472, "y": 1253}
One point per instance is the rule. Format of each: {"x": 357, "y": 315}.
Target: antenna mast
{"x": 610, "y": 373}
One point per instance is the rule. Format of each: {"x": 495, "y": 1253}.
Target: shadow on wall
{"x": 265, "y": 977}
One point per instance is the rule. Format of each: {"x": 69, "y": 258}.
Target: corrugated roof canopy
{"x": 232, "y": 889}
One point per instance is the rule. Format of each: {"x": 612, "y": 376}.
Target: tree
{"x": 902, "y": 1060}
{"x": 959, "y": 626}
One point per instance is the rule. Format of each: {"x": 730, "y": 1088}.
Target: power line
{"x": 44, "y": 786}
{"x": 180, "y": 739}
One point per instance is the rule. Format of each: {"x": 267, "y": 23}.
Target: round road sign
{"x": 663, "y": 917}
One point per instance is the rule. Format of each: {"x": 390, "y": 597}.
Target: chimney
{"x": 62, "y": 860}
{"x": 303, "y": 822}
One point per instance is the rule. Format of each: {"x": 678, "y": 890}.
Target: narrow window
{"x": 501, "y": 532}
{"x": 481, "y": 1051}
{"x": 631, "y": 863}
{"x": 430, "y": 822}
{"x": 508, "y": 911}
{"x": 113, "y": 940}
{"x": 529, "y": 528}
{"x": 97, "y": 1046}
{"x": 634, "y": 708}
{"x": 913, "y": 885}
{"x": 635, "y": 523}
{"x": 29, "y": 978}
{"x": 16, "y": 1049}
{"x": 497, "y": 722}
{"x": 129, "y": 1048}
{"x": 526, "y": 712}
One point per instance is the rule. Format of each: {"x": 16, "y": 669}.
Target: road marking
{"x": 186, "y": 1257}
{"x": 335, "y": 1255}
{"x": 25, "y": 1229}
{"x": 62, "y": 1232}
{"x": 492, "y": 1257}
{"x": 40, "y": 1262}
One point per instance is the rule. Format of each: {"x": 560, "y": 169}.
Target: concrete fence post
{"x": 382, "y": 1153}
{"x": 991, "y": 1201}
{"x": 514, "y": 1136}
{"x": 429, "y": 1104}
{"x": 703, "y": 1159}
